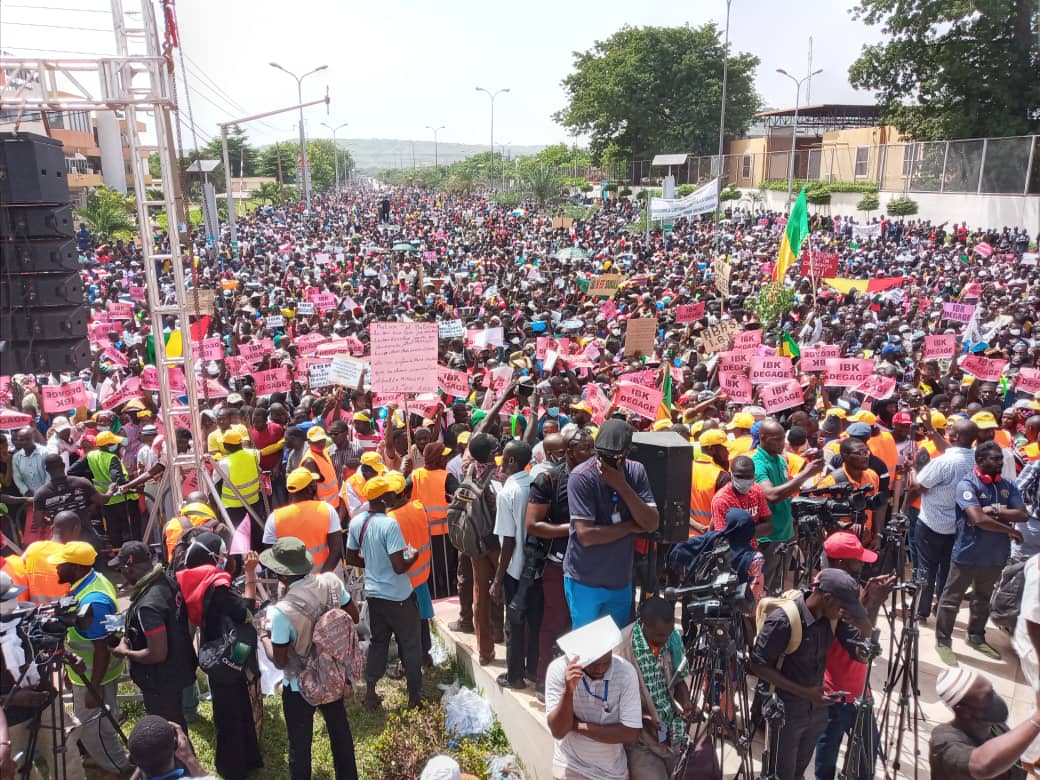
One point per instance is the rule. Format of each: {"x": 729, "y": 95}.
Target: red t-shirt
{"x": 261, "y": 439}
{"x": 754, "y": 501}
{"x": 843, "y": 673}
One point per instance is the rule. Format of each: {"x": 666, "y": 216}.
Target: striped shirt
{"x": 940, "y": 476}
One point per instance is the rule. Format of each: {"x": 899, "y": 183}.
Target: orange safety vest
{"x": 356, "y": 482}
{"x": 175, "y": 529}
{"x": 308, "y": 521}
{"x": 702, "y": 491}
{"x": 795, "y": 462}
{"x": 41, "y": 576}
{"x": 884, "y": 447}
{"x": 416, "y": 532}
{"x": 328, "y": 488}
{"x": 1003, "y": 438}
{"x": 1030, "y": 452}
{"x": 14, "y": 567}
{"x": 428, "y": 489}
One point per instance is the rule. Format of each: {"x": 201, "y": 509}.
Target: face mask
{"x": 554, "y": 411}
{"x": 996, "y": 712}
{"x": 742, "y": 486}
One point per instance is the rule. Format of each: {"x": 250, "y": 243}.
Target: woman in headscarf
{"x": 213, "y": 606}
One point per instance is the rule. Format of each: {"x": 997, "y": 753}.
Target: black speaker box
{"x": 29, "y": 291}
{"x": 32, "y": 170}
{"x": 45, "y": 356}
{"x": 42, "y": 222}
{"x": 40, "y": 256}
{"x": 668, "y": 459}
{"x": 46, "y": 323}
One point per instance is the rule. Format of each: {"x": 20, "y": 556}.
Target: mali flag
{"x": 794, "y": 236}
{"x": 788, "y": 347}
{"x": 877, "y": 284}
{"x": 664, "y": 411}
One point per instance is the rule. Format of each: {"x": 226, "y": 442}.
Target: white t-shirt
{"x": 577, "y": 753}
{"x": 1023, "y": 646}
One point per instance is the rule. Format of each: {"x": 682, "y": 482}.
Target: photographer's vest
{"x": 244, "y": 473}
{"x": 328, "y": 487}
{"x": 428, "y": 489}
{"x": 83, "y": 647}
{"x": 308, "y": 521}
{"x": 702, "y": 490}
{"x": 415, "y": 529}
{"x": 42, "y": 577}
{"x": 100, "y": 463}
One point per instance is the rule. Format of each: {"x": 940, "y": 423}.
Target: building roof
{"x": 831, "y": 116}
{"x": 669, "y": 159}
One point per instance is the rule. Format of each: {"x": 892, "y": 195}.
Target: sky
{"x": 396, "y": 66}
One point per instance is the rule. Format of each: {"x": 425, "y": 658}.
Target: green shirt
{"x": 774, "y": 468}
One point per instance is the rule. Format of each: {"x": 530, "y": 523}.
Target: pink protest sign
{"x": 1028, "y": 380}
{"x": 541, "y": 345}
{"x": 815, "y": 358}
{"x": 782, "y": 395}
{"x": 309, "y": 342}
{"x": 62, "y": 398}
{"x": 500, "y": 378}
{"x": 356, "y": 346}
{"x": 5, "y": 388}
{"x": 747, "y": 339}
{"x": 113, "y": 354}
{"x": 598, "y": 400}
{"x": 689, "y": 313}
{"x": 121, "y": 311}
{"x": 404, "y": 357}
{"x": 609, "y": 309}
{"x": 986, "y": 369}
{"x": 333, "y": 348}
{"x": 821, "y": 265}
{"x": 211, "y": 388}
{"x": 454, "y": 383}
{"x": 639, "y": 399}
{"x": 876, "y": 386}
{"x": 252, "y": 351}
{"x": 943, "y": 346}
{"x": 238, "y": 366}
{"x": 732, "y": 361}
{"x": 736, "y": 386}
{"x": 137, "y": 293}
{"x": 769, "y": 370}
{"x": 325, "y": 301}
{"x": 958, "y": 312}
{"x": 646, "y": 377}
{"x": 150, "y": 379}
{"x": 130, "y": 389}
{"x": 848, "y": 372}
{"x": 274, "y": 380}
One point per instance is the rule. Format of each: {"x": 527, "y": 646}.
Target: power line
{"x": 60, "y": 51}
{"x": 199, "y": 72}
{"x": 57, "y": 26}
{"x": 55, "y": 8}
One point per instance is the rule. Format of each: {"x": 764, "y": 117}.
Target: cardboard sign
{"x": 120, "y": 311}
{"x": 782, "y": 395}
{"x": 815, "y": 358}
{"x": 736, "y": 386}
{"x": 347, "y": 372}
{"x": 562, "y": 223}
{"x": 201, "y": 301}
{"x": 721, "y": 271}
{"x": 150, "y": 379}
{"x": 62, "y": 398}
{"x": 273, "y": 380}
{"x": 324, "y": 301}
{"x": 209, "y": 349}
{"x": 309, "y": 342}
{"x": 318, "y": 374}
{"x": 876, "y": 386}
{"x": 986, "y": 369}
{"x": 689, "y": 312}
{"x": 747, "y": 339}
{"x": 454, "y": 383}
{"x": 1028, "y": 380}
{"x": 253, "y": 351}
{"x": 598, "y": 400}
{"x": 848, "y": 372}
{"x": 275, "y": 321}
{"x": 639, "y": 399}
{"x": 821, "y": 265}
{"x": 305, "y": 309}
{"x": 404, "y": 357}
{"x": 238, "y": 366}
{"x": 770, "y": 370}
{"x": 451, "y": 329}
{"x": 718, "y": 338}
{"x": 943, "y": 346}
{"x": 605, "y": 285}
{"x": 640, "y": 336}
{"x": 958, "y": 312}
{"x": 129, "y": 390}
{"x": 482, "y": 339}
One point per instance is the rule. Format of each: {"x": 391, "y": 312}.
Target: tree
{"x": 241, "y": 156}
{"x": 772, "y": 301}
{"x": 868, "y": 203}
{"x": 107, "y": 213}
{"x": 543, "y": 184}
{"x": 268, "y": 192}
{"x": 901, "y": 207}
{"x": 730, "y": 193}
{"x": 648, "y": 90}
{"x": 320, "y": 156}
{"x": 974, "y": 68}
{"x": 818, "y": 196}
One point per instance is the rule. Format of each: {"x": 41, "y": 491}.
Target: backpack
{"x": 788, "y": 602}
{"x": 334, "y": 658}
{"x": 471, "y": 517}
{"x": 1006, "y": 600}
{"x": 180, "y": 550}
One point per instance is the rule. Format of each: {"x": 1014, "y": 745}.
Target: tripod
{"x": 902, "y": 705}
{"x": 859, "y": 756}
{"x": 773, "y": 713}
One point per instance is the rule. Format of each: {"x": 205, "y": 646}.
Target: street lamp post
{"x": 335, "y": 148}
{"x": 303, "y": 140}
{"x": 794, "y": 127}
{"x": 436, "y": 155}
{"x": 491, "y": 161}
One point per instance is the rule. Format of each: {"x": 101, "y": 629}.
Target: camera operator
{"x": 797, "y": 676}
{"x": 31, "y": 696}
{"x": 855, "y": 471}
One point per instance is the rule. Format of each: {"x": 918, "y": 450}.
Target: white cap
{"x": 60, "y": 423}
{"x": 591, "y": 642}
{"x": 441, "y": 768}
{"x": 953, "y": 684}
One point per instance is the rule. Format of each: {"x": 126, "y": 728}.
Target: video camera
{"x": 46, "y": 624}
{"x": 820, "y": 510}
{"x": 719, "y": 594}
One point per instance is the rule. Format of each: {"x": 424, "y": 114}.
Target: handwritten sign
{"x": 940, "y": 346}
{"x": 305, "y": 309}
{"x": 721, "y": 270}
{"x": 404, "y": 357}
{"x": 347, "y": 372}
{"x": 689, "y": 312}
{"x": 238, "y": 366}
{"x": 986, "y": 369}
{"x": 201, "y": 301}
{"x": 309, "y": 342}
{"x": 736, "y": 386}
{"x": 318, "y": 374}
{"x": 958, "y": 312}
{"x": 877, "y": 386}
{"x": 129, "y": 390}
{"x": 821, "y": 265}
{"x": 325, "y": 301}
{"x": 482, "y": 339}
{"x": 770, "y": 370}
{"x": 451, "y": 329}
{"x": 62, "y": 398}
{"x": 640, "y": 336}
{"x": 747, "y": 340}
{"x": 253, "y": 351}
{"x": 1028, "y": 380}
{"x": 848, "y": 372}
{"x": 605, "y": 285}
{"x": 782, "y": 395}
{"x": 639, "y": 399}
{"x": 120, "y": 311}
{"x": 273, "y": 380}
{"x": 275, "y": 321}
{"x": 454, "y": 383}
{"x": 718, "y": 338}
{"x": 815, "y": 358}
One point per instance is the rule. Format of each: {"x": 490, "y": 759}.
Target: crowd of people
{"x": 911, "y": 373}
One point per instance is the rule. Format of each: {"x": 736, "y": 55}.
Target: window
{"x": 862, "y": 156}
{"x": 912, "y": 154}
{"x": 745, "y": 167}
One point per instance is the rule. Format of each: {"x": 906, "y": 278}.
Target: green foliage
{"x": 772, "y": 301}
{"x": 818, "y": 196}
{"x": 508, "y": 199}
{"x": 972, "y": 68}
{"x": 868, "y": 203}
{"x": 562, "y": 156}
{"x": 268, "y": 192}
{"x": 154, "y": 168}
{"x": 683, "y": 190}
{"x": 647, "y": 90}
{"x": 780, "y": 185}
{"x": 542, "y": 183}
{"x": 901, "y": 207}
{"x": 649, "y": 193}
{"x": 586, "y": 187}
{"x": 625, "y": 192}
{"x": 241, "y": 156}
{"x": 108, "y": 214}
{"x": 320, "y": 156}
{"x": 730, "y": 193}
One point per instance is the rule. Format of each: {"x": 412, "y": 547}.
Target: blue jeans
{"x": 588, "y": 604}
{"x": 841, "y": 717}
{"x": 933, "y": 564}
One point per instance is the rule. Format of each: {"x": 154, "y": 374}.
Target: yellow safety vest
{"x": 83, "y": 647}
{"x": 244, "y": 472}
{"x": 100, "y": 463}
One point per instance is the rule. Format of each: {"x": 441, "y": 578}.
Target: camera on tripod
{"x": 822, "y": 510}
{"x": 46, "y": 624}
{"x": 718, "y": 593}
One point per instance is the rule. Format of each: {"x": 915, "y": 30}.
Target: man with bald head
{"x": 937, "y": 524}
{"x": 772, "y": 473}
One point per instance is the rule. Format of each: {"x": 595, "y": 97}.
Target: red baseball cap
{"x": 845, "y": 545}
{"x": 902, "y": 418}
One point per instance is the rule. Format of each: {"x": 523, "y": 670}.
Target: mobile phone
{"x": 837, "y": 695}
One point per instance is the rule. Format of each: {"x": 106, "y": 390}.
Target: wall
{"x": 737, "y": 148}
{"x": 979, "y": 211}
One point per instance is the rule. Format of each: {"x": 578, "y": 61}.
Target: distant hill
{"x": 377, "y": 154}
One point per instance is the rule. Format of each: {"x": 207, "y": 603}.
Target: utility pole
{"x": 303, "y": 140}
{"x": 722, "y": 126}
{"x": 335, "y": 148}
{"x": 491, "y": 161}
{"x": 794, "y": 127}
{"x": 278, "y": 155}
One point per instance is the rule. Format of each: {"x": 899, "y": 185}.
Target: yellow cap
{"x": 300, "y": 478}
{"x": 662, "y": 425}
{"x": 316, "y": 434}
{"x": 107, "y": 439}
{"x": 463, "y": 438}
{"x": 373, "y": 461}
{"x": 938, "y": 420}
{"x": 362, "y": 417}
{"x": 711, "y": 437}
{"x": 198, "y": 509}
{"x": 984, "y": 420}
{"x": 864, "y": 416}
{"x": 741, "y": 420}
{"x": 390, "y": 482}
{"x": 79, "y": 553}
{"x": 836, "y": 411}
{"x": 232, "y": 437}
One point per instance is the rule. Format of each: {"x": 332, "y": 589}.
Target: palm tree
{"x": 107, "y": 213}
{"x": 543, "y": 184}
{"x": 268, "y": 191}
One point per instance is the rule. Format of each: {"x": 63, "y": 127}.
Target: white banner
{"x": 697, "y": 202}
{"x": 866, "y": 232}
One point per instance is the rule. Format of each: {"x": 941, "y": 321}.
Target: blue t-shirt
{"x": 282, "y": 631}
{"x": 976, "y": 546}
{"x": 589, "y": 498}
{"x": 101, "y": 607}
{"x": 383, "y": 538}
